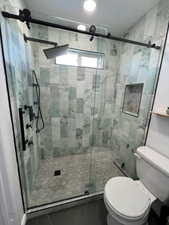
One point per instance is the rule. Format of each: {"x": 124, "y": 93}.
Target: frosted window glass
{"x": 69, "y": 59}
{"x": 88, "y": 62}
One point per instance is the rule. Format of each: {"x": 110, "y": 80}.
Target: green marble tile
{"x": 92, "y": 139}
{"x": 57, "y": 152}
{"x": 72, "y": 93}
{"x": 80, "y": 105}
{"x": 64, "y": 127}
{"x": 46, "y": 140}
{"x": 44, "y": 76}
{"x": 55, "y": 101}
{"x": 106, "y": 137}
{"x": 79, "y": 133}
{"x": 80, "y": 74}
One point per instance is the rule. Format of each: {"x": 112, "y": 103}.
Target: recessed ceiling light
{"x": 89, "y": 5}
{"x": 81, "y": 27}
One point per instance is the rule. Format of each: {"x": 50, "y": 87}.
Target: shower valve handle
{"x": 28, "y": 126}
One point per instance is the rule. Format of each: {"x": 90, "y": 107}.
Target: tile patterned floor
{"x": 79, "y": 173}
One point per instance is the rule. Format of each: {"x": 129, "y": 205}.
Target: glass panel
{"x": 65, "y": 143}
{"x": 104, "y": 86}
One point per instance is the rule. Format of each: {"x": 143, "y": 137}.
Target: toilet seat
{"x": 125, "y": 199}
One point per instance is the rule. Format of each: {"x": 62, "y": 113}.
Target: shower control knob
{"x": 28, "y": 126}
{"x": 30, "y": 143}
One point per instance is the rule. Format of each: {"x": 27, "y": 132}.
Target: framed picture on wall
{"x": 132, "y": 99}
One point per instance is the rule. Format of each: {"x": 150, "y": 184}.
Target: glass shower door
{"x": 65, "y": 142}
{"x": 102, "y": 166}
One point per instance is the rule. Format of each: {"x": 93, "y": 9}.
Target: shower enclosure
{"x": 95, "y": 102}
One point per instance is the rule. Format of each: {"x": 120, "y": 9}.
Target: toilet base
{"x": 113, "y": 221}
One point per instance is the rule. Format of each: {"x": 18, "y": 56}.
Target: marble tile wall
{"x": 137, "y": 65}
{"x": 69, "y": 94}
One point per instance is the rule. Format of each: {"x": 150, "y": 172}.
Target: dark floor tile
{"x": 90, "y": 213}
{"x": 41, "y": 220}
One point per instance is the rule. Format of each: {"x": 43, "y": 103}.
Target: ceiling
{"x": 117, "y": 15}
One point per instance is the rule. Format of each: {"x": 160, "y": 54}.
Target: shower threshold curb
{"x": 54, "y": 207}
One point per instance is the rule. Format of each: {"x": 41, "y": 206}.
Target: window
{"x": 82, "y": 58}
{"x": 69, "y": 59}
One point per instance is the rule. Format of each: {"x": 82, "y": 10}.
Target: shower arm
{"x": 39, "y": 40}
{"x": 25, "y": 16}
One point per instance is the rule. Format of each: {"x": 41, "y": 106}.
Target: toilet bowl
{"x": 128, "y": 201}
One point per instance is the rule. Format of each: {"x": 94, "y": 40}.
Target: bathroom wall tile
{"x": 106, "y": 137}
{"x": 72, "y": 93}
{"x": 79, "y": 133}
{"x": 44, "y": 76}
{"x": 55, "y": 101}
{"x": 63, "y": 127}
{"x": 80, "y": 74}
{"x": 45, "y": 140}
{"x": 80, "y": 105}
{"x": 45, "y": 103}
{"x": 55, "y": 123}
{"x": 54, "y": 75}
{"x": 63, "y": 75}
{"x": 64, "y": 103}
{"x": 72, "y": 108}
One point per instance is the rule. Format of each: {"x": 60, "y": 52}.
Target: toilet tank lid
{"x": 154, "y": 158}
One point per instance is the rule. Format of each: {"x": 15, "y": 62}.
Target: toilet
{"x": 129, "y": 201}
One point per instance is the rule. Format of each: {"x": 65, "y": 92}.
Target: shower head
{"x": 56, "y": 51}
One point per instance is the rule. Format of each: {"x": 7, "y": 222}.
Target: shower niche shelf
{"x": 161, "y": 114}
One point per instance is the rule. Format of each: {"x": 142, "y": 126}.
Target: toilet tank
{"x": 153, "y": 171}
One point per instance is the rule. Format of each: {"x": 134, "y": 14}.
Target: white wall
{"x": 158, "y": 135}
{"x": 11, "y": 210}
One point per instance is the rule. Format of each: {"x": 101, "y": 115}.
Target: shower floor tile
{"x": 79, "y": 174}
